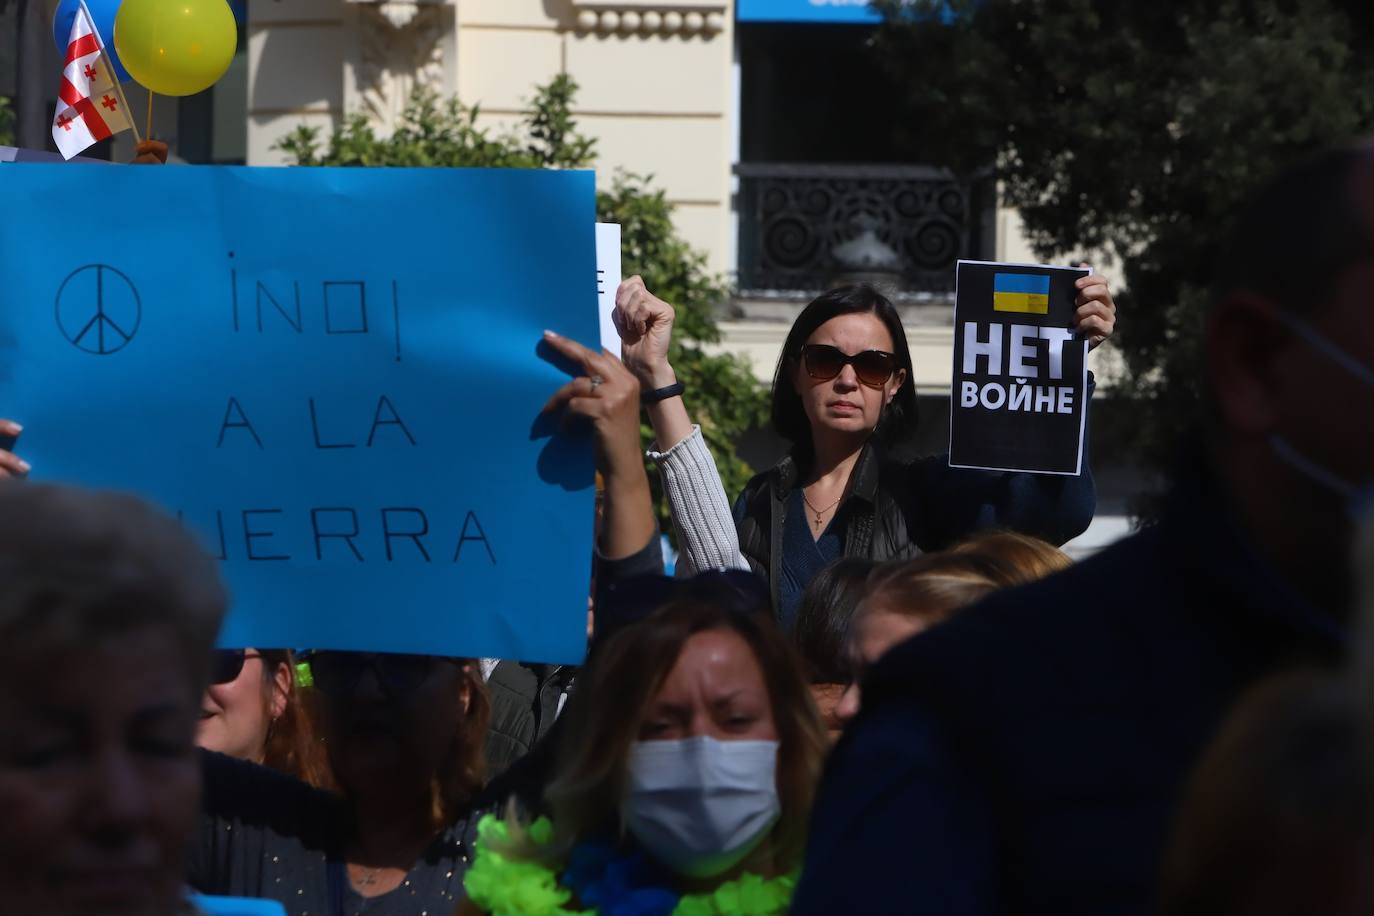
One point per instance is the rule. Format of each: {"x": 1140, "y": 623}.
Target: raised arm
{"x": 700, "y": 507}
{"x": 645, "y": 323}
{"x": 608, "y": 396}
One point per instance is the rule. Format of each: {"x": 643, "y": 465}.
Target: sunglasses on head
{"x": 824, "y": 362}
{"x": 339, "y": 673}
{"x": 227, "y": 664}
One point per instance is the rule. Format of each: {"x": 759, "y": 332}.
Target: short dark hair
{"x": 1298, "y": 232}
{"x": 897, "y": 428}
{"x": 821, "y": 633}
{"x": 79, "y": 566}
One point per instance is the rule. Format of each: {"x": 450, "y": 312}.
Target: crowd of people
{"x": 876, "y": 685}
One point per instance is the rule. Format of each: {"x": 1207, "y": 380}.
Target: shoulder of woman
{"x": 757, "y": 486}
{"x": 238, "y": 787}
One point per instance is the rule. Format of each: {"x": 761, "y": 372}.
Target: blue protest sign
{"x": 237, "y": 906}
{"x": 331, "y": 374}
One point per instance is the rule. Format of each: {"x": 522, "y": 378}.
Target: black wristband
{"x": 662, "y": 394}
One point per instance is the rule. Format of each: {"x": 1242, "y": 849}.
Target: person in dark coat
{"x": 526, "y": 700}
{"x": 1026, "y": 757}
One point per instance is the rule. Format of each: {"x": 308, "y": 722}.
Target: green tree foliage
{"x": 6, "y": 122}
{"x": 1133, "y": 129}
{"x": 726, "y": 399}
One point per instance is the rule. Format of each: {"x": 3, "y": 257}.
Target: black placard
{"x": 1018, "y": 399}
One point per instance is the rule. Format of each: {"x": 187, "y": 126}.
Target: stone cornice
{"x": 651, "y": 17}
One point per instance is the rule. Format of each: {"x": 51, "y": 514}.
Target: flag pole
{"x": 114, "y": 77}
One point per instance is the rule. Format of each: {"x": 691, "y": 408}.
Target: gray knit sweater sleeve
{"x": 702, "y": 519}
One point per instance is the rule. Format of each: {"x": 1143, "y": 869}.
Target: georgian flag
{"x": 88, "y": 107}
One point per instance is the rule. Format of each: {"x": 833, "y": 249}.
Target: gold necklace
{"x": 820, "y": 512}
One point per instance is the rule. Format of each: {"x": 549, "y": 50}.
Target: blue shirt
{"x": 803, "y": 556}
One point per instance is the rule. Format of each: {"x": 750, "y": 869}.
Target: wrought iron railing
{"x": 803, "y": 227}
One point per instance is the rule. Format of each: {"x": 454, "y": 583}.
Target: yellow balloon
{"x": 175, "y": 47}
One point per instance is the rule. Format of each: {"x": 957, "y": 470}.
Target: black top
{"x": 804, "y": 556}
{"x": 264, "y": 834}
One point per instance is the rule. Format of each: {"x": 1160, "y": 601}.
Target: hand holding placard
{"x": 11, "y": 465}
{"x": 608, "y": 396}
{"x": 1095, "y": 318}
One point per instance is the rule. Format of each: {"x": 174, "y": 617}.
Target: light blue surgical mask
{"x": 699, "y": 805}
{"x": 1358, "y": 496}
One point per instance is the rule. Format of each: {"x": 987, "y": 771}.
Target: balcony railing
{"x": 804, "y": 227}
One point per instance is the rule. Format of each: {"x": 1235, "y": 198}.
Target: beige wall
{"x": 655, "y": 80}
{"x": 658, "y": 100}
{"x": 295, "y": 69}
{"x": 657, "y": 94}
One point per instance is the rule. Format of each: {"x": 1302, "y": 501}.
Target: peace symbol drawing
{"x": 98, "y": 309}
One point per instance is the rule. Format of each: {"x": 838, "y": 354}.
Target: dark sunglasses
{"x": 227, "y": 664}
{"x": 824, "y": 362}
{"x": 338, "y": 673}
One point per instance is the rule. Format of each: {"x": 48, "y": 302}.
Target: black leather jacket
{"x": 897, "y": 510}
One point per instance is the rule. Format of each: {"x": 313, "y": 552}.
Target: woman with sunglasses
{"x": 403, "y": 735}
{"x": 844, "y": 399}
{"x": 253, "y": 710}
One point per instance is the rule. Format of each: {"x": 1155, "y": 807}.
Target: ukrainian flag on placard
{"x": 1026, "y": 293}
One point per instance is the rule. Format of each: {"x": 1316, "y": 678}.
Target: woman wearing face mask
{"x": 252, "y": 710}
{"x": 688, "y": 785}
{"x": 403, "y": 734}
{"x": 843, "y": 397}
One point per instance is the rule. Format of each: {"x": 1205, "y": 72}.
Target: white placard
{"x": 607, "y": 281}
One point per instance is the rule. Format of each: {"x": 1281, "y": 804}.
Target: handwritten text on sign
{"x": 1020, "y": 372}
{"x": 331, "y": 375}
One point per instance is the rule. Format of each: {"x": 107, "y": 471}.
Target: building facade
{"x": 767, "y": 123}
{"x": 756, "y": 119}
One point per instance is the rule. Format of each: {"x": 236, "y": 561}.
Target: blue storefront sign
{"x": 806, "y": 11}
{"x": 832, "y": 11}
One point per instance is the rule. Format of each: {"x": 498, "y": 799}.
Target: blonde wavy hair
{"x": 933, "y": 586}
